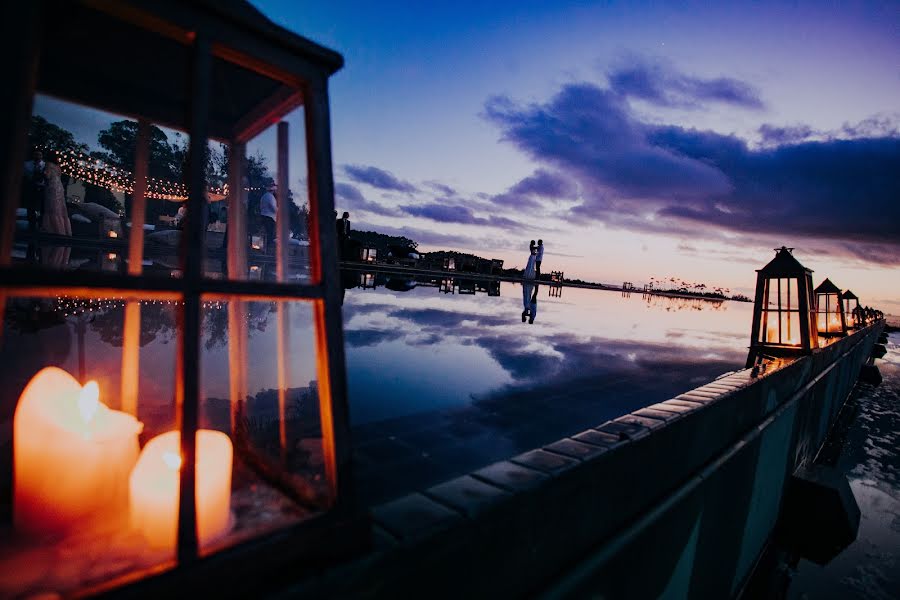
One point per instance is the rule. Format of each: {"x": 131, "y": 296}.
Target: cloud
{"x": 429, "y": 236}
{"x": 590, "y": 134}
{"x": 659, "y": 83}
{"x": 775, "y": 135}
{"x": 541, "y": 184}
{"x": 378, "y": 178}
{"x": 456, "y": 213}
{"x": 350, "y": 198}
{"x": 361, "y": 338}
{"x": 444, "y": 189}
{"x": 662, "y": 178}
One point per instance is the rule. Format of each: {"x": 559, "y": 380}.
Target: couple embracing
{"x": 536, "y": 255}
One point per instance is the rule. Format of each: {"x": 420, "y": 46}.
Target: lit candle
{"x": 155, "y": 483}
{"x": 72, "y": 455}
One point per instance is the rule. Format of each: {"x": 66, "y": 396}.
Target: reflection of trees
{"x": 677, "y": 303}
{"x": 158, "y": 320}
{"x": 106, "y": 317}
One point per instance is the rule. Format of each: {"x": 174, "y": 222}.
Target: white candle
{"x": 72, "y": 455}
{"x": 155, "y": 483}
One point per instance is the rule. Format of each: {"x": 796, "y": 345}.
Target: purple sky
{"x": 637, "y": 139}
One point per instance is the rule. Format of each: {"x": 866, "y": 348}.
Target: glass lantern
{"x": 171, "y": 344}
{"x": 783, "y": 309}
{"x": 851, "y": 309}
{"x": 829, "y": 311}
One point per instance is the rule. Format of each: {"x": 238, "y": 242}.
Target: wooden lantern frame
{"x": 783, "y": 267}
{"x": 851, "y": 313}
{"x": 206, "y": 31}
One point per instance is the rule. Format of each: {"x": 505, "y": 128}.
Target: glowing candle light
{"x": 72, "y": 455}
{"x": 155, "y": 484}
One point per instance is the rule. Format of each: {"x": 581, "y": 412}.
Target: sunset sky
{"x": 637, "y": 139}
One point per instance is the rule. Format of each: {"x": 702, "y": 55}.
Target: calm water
{"x": 870, "y": 458}
{"x": 441, "y": 383}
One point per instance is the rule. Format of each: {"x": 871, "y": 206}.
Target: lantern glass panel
{"x": 260, "y": 389}
{"x": 828, "y": 313}
{"x": 67, "y": 466}
{"x": 257, "y": 175}
{"x": 780, "y": 313}
{"x": 76, "y": 201}
{"x": 85, "y": 117}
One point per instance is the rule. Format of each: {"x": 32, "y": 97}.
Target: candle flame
{"x": 172, "y": 460}
{"x": 89, "y": 401}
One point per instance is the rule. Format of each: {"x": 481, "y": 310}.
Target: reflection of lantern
{"x": 267, "y": 491}
{"x": 829, "y": 311}
{"x": 367, "y": 280}
{"x": 851, "y": 308}
{"x": 783, "y": 323}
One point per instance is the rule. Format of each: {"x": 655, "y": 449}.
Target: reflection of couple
{"x": 529, "y": 301}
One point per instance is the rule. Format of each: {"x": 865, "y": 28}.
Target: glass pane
{"x": 260, "y": 390}
{"x": 78, "y": 183}
{"x": 68, "y": 467}
{"x": 258, "y": 148}
{"x": 828, "y": 314}
{"x": 788, "y": 294}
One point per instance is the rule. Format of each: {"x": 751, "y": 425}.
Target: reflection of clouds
{"x": 359, "y": 338}
{"x": 543, "y": 353}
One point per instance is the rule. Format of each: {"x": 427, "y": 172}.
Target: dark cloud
{"x": 378, "y": 178}
{"x": 444, "y": 189}
{"x": 457, "y": 213}
{"x": 427, "y": 236}
{"x": 541, "y": 184}
{"x": 439, "y": 319}
{"x": 350, "y": 198}
{"x": 775, "y": 135}
{"x": 660, "y": 83}
{"x": 875, "y": 126}
{"x": 675, "y": 180}
{"x": 360, "y": 338}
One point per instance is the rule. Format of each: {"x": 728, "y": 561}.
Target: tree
{"x": 165, "y": 159}
{"x": 45, "y": 134}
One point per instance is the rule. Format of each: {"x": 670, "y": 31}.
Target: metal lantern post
{"x": 783, "y": 309}
{"x": 830, "y": 320}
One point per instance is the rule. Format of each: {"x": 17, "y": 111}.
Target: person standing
{"x": 268, "y": 214}
{"x": 55, "y": 217}
{"x": 343, "y": 234}
{"x": 34, "y": 187}
{"x": 538, "y": 258}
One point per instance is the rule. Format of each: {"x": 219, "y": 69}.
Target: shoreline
{"x": 419, "y": 272}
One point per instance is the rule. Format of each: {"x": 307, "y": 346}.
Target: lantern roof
{"x": 784, "y": 265}
{"x": 827, "y": 287}
{"x": 848, "y": 295}
{"x": 144, "y": 75}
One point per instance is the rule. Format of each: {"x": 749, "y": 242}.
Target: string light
{"x": 95, "y": 171}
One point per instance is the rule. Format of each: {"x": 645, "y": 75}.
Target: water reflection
{"x": 442, "y": 383}
{"x": 529, "y": 300}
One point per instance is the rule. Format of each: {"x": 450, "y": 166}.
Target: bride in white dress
{"x": 529, "y": 268}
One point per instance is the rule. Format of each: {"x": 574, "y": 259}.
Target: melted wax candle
{"x": 155, "y": 483}
{"x": 72, "y": 455}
